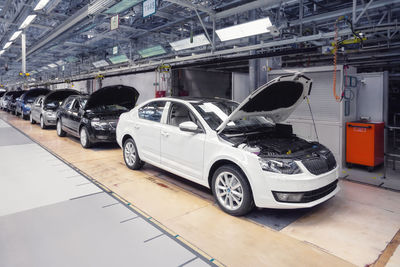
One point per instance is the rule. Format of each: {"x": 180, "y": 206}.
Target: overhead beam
{"x": 252, "y": 5}
{"x": 189, "y": 4}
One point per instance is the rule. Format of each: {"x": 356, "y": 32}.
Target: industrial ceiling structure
{"x": 75, "y": 39}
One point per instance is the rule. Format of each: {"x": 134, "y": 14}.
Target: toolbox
{"x": 364, "y": 143}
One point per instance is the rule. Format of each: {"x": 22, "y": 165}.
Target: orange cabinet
{"x": 364, "y": 143}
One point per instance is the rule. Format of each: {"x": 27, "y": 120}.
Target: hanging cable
{"x": 312, "y": 117}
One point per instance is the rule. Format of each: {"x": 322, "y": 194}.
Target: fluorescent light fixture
{"x": 15, "y": 35}
{"x": 2, "y": 52}
{"x": 98, "y": 6}
{"x": 44, "y": 68}
{"x": 100, "y": 63}
{"x": 52, "y": 65}
{"x": 122, "y": 6}
{"x": 60, "y": 62}
{"x": 41, "y": 5}
{"x": 118, "y": 59}
{"x": 71, "y": 59}
{"x": 152, "y": 51}
{"x": 27, "y": 21}
{"x": 244, "y": 30}
{"x": 7, "y": 45}
{"x": 198, "y": 40}
{"x": 33, "y": 72}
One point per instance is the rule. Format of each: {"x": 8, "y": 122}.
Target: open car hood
{"x": 122, "y": 95}
{"x": 275, "y": 100}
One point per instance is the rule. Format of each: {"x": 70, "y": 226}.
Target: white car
{"x": 240, "y": 151}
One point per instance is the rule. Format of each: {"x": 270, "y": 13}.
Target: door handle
{"x": 165, "y": 133}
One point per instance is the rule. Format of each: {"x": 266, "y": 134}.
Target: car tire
{"x": 42, "y": 123}
{"x": 22, "y": 115}
{"x": 84, "y": 138}
{"x": 60, "y": 131}
{"x": 131, "y": 155}
{"x": 236, "y": 197}
{"x": 31, "y": 119}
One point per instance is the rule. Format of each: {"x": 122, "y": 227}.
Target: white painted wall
{"x": 142, "y": 82}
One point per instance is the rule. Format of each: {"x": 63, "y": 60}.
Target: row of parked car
{"x": 243, "y": 152}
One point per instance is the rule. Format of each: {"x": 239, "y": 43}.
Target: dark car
{"x": 44, "y": 108}
{"x": 12, "y": 101}
{"x": 94, "y": 118}
{"x": 24, "y": 102}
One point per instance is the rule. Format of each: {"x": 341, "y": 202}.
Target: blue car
{"x": 24, "y": 102}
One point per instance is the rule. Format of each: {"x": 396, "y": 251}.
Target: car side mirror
{"x": 189, "y": 126}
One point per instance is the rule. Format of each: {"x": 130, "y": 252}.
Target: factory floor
{"x": 358, "y": 227}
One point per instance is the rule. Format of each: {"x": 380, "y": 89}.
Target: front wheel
{"x": 84, "y": 137}
{"x": 60, "y": 131}
{"x": 42, "y": 123}
{"x": 131, "y": 156}
{"x": 31, "y": 119}
{"x": 232, "y": 190}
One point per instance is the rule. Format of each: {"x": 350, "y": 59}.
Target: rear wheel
{"x": 84, "y": 137}
{"x": 131, "y": 156}
{"x": 31, "y": 119}
{"x": 60, "y": 131}
{"x": 42, "y": 123}
{"x": 232, "y": 190}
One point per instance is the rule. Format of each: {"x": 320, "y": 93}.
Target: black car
{"x": 94, "y": 118}
{"x": 12, "y": 102}
{"x": 24, "y": 102}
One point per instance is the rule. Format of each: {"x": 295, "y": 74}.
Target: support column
{"x": 23, "y": 53}
{"x": 253, "y": 63}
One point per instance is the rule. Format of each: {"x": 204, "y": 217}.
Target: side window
{"x": 76, "y": 105}
{"x": 68, "y": 103}
{"x": 179, "y": 113}
{"x": 152, "y": 111}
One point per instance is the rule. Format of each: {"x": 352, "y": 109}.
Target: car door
{"x": 36, "y": 109}
{"x": 180, "y": 150}
{"x": 147, "y": 128}
{"x": 74, "y": 116}
{"x": 65, "y": 111}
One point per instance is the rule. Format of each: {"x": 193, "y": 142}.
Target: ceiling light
{"x": 122, "y": 6}
{"x": 2, "y": 52}
{"x": 152, "y": 51}
{"x": 44, "y": 68}
{"x": 118, "y": 59}
{"x": 41, "y": 5}
{"x": 27, "y": 21}
{"x": 100, "y": 63}
{"x": 15, "y": 35}
{"x": 71, "y": 59}
{"x": 60, "y": 62}
{"x": 198, "y": 40}
{"x": 98, "y": 6}
{"x": 244, "y": 30}
{"x": 52, "y": 65}
{"x": 7, "y": 45}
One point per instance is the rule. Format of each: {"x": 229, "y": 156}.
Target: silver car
{"x": 44, "y": 108}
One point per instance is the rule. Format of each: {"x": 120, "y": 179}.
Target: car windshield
{"x": 216, "y": 112}
{"x": 113, "y": 107}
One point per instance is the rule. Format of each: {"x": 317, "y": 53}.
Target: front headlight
{"x": 284, "y": 166}
{"x": 98, "y": 125}
{"x": 28, "y": 106}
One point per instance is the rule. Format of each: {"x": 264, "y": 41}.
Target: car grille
{"x": 322, "y": 163}
{"x": 319, "y": 193}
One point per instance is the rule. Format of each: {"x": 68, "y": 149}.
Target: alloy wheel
{"x": 229, "y": 190}
{"x": 83, "y": 137}
{"x": 130, "y": 153}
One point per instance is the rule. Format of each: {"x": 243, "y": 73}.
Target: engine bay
{"x": 278, "y": 142}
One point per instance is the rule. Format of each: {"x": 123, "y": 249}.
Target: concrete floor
{"x": 354, "y": 228}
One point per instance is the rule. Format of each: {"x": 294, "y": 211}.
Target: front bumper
{"x": 316, "y": 189}
{"x": 50, "y": 120}
{"x": 99, "y": 136}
